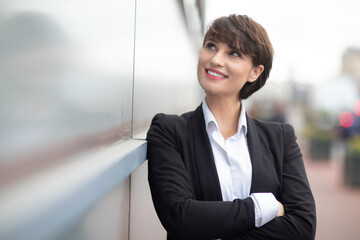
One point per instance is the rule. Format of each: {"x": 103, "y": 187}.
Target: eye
{"x": 210, "y": 46}
{"x": 234, "y": 54}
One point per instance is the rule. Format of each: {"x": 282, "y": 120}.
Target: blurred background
{"x": 81, "y": 80}
{"x": 315, "y": 86}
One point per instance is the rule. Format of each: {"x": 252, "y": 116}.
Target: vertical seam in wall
{"x": 132, "y": 112}
{"x": 133, "y": 76}
{"x": 129, "y": 226}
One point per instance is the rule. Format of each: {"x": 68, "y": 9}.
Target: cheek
{"x": 200, "y": 67}
{"x": 204, "y": 57}
{"x": 200, "y": 77}
{"x": 200, "y": 60}
{"x": 241, "y": 72}
{"x": 198, "y": 72}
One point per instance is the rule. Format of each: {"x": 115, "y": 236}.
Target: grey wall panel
{"x": 144, "y": 223}
{"x": 66, "y": 77}
{"x": 66, "y": 72}
{"x": 165, "y": 63}
{"x": 108, "y": 219}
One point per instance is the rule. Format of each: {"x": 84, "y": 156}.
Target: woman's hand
{"x": 281, "y": 211}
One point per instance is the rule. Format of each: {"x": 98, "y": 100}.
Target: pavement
{"x": 337, "y": 204}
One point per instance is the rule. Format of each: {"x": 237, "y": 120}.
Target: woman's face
{"x": 223, "y": 71}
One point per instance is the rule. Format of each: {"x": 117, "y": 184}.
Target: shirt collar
{"x": 209, "y": 118}
{"x": 242, "y": 119}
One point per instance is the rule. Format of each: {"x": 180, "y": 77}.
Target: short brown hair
{"x": 250, "y": 38}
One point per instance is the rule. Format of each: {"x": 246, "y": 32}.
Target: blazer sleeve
{"x": 173, "y": 196}
{"x": 299, "y": 221}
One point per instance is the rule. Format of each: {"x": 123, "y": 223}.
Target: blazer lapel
{"x": 207, "y": 172}
{"x": 255, "y": 151}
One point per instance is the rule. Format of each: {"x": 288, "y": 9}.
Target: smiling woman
{"x": 217, "y": 61}
{"x": 215, "y": 173}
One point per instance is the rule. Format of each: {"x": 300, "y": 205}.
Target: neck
{"x": 226, "y": 112}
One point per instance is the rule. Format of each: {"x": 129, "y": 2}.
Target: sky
{"x": 309, "y": 36}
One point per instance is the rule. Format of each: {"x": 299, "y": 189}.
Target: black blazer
{"x": 186, "y": 191}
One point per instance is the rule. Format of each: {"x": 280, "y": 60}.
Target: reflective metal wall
{"x": 108, "y": 219}
{"x": 165, "y": 63}
{"x": 75, "y": 78}
{"x": 68, "y": 71}
{"x": 66, "y": 76}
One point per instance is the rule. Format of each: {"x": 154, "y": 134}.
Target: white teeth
{"x": 215, "y": 74}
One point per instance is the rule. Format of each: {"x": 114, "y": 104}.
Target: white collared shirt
{"x": 233, "y": 165}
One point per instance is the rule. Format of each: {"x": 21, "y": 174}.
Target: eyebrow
{"x": 235, "y": 49}
{"x": 213, "y": 40}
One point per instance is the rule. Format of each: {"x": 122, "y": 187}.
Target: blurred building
{"x": 351, "y": 65}
{"x": 340, "y": 93}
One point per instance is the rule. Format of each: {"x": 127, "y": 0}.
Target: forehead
{"x": 227, "y": 34}
{"x": 236, "y": 39}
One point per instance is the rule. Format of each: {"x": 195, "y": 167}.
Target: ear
{"x": 256, "y": 72}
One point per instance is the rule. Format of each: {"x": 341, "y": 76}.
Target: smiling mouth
{"x": 214, "y": 75}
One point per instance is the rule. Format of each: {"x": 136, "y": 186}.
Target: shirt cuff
{"x": 266, "y": 208}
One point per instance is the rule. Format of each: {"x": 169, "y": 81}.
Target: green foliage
{"x": 354, "y": 145}
{"x": 318, "y": 125}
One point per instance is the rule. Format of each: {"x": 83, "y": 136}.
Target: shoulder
{"x": 171, "y": 120}
{"x": 168, "y": 125}
{"x": 274, "y": 129}
{"x": 277, "y": 136}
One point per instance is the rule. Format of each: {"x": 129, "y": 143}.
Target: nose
{"x": 218, "y": 59}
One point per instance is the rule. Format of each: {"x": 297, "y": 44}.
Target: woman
{"x": 215, "y": 173}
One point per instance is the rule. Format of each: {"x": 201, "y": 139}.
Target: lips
{"x": 214, "y": 74}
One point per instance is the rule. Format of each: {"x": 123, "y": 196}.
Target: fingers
{"x": 281, "y": 211}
